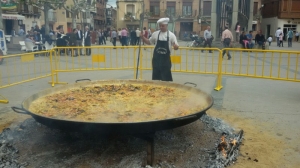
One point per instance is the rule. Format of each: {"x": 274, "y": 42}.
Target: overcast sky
{"x": 112, "y": 3}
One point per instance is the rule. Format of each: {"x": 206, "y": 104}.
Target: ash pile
{"x": 8, "y": 153}
{"x": 208, "y": 142}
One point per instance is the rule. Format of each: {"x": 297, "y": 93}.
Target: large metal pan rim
{"x": 160, "y": 83}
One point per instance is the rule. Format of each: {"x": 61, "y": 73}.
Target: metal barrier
{"x": 268, "y": 64}
{"x": 98, "y": 58}
{"x": 21, "y": 68}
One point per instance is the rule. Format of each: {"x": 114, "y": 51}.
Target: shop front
{"x": 12, "y": 22}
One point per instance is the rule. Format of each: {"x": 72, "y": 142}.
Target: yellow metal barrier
{"x": 72, "y": 59}
{"x": 268, "y": 64}
{"x": 20, "y": 68}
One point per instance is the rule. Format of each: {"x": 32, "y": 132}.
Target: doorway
{"x": 285, "y": 30}
{"x": 185, "y": 27}
{"x": 9, "y": 24}
{"x": 268, "y": 30}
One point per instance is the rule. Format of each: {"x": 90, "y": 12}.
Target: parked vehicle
{"x": 196, "y": 41}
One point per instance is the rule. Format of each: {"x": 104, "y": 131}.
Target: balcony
{"x": 178, "y": 14}
{"x": 154, "y": 15}
{"x": 29, "y": 13}
{"x": 129, "y": 16}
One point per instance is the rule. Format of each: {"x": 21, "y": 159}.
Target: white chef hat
{"x": 163, "y": 21}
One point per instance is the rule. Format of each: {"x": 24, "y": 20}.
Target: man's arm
{"x": 175, "y": 43}
{"x": 145, "y": 40}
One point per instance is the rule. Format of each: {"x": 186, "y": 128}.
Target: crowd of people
{"x": 133, "y": 37}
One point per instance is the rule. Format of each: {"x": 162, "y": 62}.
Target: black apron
{"x": 161, "y": 62}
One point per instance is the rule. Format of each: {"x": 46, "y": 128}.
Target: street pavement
{"x": 263, "y": 100}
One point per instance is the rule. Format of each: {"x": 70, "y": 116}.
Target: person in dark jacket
{"x": 73, "y": 42}
{"x": 87, "y": 40}
{"x": 43, "y": 31}
{"x": 260, "y": 39}
{"x": 244, "y": 40}
{"x": 48, "y": 39}
{"x": 133, "y": 37}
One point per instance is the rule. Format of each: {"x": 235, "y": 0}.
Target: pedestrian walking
{"x": 124, "y": 37}
{"x": 277, "y": 34}
{"x": 270, "y": 39}
{"x": 120, "y": 35}
{"x": 101, "y": 36}
{"x": 113, "y": 37}
{"x": 297, "y": 36}
{"x": 138, "y": 34}
{"x": 290, "y": 36}
{"x": 161, "y": 61}
{"x": 207, "y": 38}
{"x": 227, "y": 39}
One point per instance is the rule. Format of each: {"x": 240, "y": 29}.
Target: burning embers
{"x": 227, "y": 149}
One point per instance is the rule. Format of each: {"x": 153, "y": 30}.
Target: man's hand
{"x": 175, "y": 46}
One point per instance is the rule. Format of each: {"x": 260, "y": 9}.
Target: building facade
{"x": 128, "y": 13}
{"x": 280, "y": 13}
{"x": 100, "y": 15}
{"x": 111, "y": 18}
{"x": 191, "y": 15}
{"x": 183, "y": 15}
{"x": 12, "y": 20}
{"x": 257, "y": 16}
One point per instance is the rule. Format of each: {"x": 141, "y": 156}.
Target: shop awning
{"x": 13, "y": 17}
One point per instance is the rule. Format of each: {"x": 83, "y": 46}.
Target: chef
{"x": 163, "y": 40}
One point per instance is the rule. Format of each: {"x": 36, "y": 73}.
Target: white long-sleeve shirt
{"x": 278, "y": 32}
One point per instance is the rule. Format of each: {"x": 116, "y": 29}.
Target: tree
{"x": 45, "y": 6}
{"x": 174, "y": 17}
{"x": 77, "y": 7}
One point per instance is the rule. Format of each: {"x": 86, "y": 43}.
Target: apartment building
{"x": 111, "y": 18}
{"x": 183, "y": 15}
{"x": 257, "y": 17}
{"x": 100, "y": 15}
{"x": 280, "y": 13}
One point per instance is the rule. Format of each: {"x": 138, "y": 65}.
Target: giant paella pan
{"x": 117, "y": 106}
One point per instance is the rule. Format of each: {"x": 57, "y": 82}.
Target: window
{"x": 187, "y": 9}
{"x": 171, "y": 8}
{"x": 152, "y": 26}
{"x": 25, "y": 7}
{"x": 255, "y": 7}
{"x": 130, "y": 8}
{"x": 67, "y": 14}
{"x": 206, "y": 8}
{"x": 154, "y": 8}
